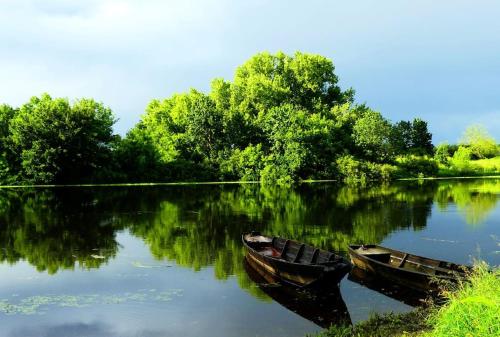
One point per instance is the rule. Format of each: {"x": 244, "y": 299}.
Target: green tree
{"x": 481, "y": 144}
{"x": 8, "y": 161}
{"x": 371, "y": 134}
{"x": 137, "y": 158}
{"x": 421, "y": 138}
{"x": 205, "y": 128}
{"x": 62, "y": 143}
{"x": 401, "y": 137}
{"x": 411, "y": 138}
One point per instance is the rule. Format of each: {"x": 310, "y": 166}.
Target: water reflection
{"x": 54, "y": 231}
{"x": 197, "y": 226}
{"x": 393, "y": 290}
{"x": 324, "y": 306}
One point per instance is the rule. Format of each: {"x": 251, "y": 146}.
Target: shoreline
{"x": 252, "y": 182}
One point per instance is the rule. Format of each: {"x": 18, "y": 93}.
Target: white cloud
{"x": 126, "y": 52}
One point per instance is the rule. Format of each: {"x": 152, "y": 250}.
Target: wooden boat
{"x": 410, "y": 270}
{"x": 323, "y": 306}
{"x": 294, "y": 262}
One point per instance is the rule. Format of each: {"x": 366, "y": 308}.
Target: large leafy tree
{"x": 61, "y": 143}
{"x": 283, "y": 118}
{"x": 278, "y": 120}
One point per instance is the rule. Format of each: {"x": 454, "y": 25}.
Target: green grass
{"x": 491, "y": 165}
{"x": 472, "y": 310}
{"x": 475, "y": 168}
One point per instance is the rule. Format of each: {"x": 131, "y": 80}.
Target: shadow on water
{"x": 323, "y": 306}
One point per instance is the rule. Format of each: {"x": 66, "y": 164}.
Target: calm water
{"x": 167, "y": 261}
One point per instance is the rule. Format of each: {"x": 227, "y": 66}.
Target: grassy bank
{"x": 473, "y": 168}
{"x": 473, "y": 309}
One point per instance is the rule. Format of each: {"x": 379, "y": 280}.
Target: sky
{"x": 437, "y": 60}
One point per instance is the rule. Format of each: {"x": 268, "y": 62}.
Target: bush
{"x": 352, "y": 170}
{"x": 461, "y": 159}
{"x": 416, "y": 166}
{"x": 442, "y": 153}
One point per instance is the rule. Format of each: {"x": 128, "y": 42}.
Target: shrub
{"x": 352, "y": 170}
{"x": 442, "y": 153}
{"x": 461, "y": 159}
{"x": 416, "y": 166}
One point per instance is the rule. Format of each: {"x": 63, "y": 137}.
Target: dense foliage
{"x": 51, "y": 141}
{"x": 282, "y": 119}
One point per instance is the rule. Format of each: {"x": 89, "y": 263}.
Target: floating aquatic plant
{"x": 39, "y": 304}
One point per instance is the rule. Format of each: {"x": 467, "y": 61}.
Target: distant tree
{"x": 61, "y": 143}
{"x": 421, "y": 138}
{"x": 411, "y": 138}
{"x": 481, "y": 144}
{"x": 401, "y": 137}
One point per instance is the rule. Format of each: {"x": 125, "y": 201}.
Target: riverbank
{"x": 473, "y": 309}
{"x": 472, "y": 168}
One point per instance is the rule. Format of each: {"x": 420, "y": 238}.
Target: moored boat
{"x": 410, "y": 270}
{"x": 294, "y": 262}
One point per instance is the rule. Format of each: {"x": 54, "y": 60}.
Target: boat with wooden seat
{"x": 410, "y": 270}
{"x": 294, "y": 262}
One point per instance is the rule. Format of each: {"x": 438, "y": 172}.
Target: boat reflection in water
{"x": 393, "y": 290}
{"x": 323, "y": 305}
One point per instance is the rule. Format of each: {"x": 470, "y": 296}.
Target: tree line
{"x": 283, "y": 119}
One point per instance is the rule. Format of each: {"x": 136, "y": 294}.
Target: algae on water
{"x": 39, "y": 304}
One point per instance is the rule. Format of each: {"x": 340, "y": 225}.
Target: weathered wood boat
{"x": 323, "y": 306}
{"x": 294, "y": 262}
{"x": 410, "y": 270}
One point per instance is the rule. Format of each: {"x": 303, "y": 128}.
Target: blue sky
{"x": 438, "y": 60}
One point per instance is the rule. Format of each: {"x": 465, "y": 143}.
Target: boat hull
{"x": 421, "y": 281}
{"x": 303, "y": 275}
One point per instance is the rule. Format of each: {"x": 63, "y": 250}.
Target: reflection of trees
{"x": 198, "y": 226}
{"x": 202, "y": 226}
{"x": 55, "y": 230}
{"x": 475, "y": 199}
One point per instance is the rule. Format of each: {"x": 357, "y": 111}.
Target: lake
{"x": 168, "y": 260}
